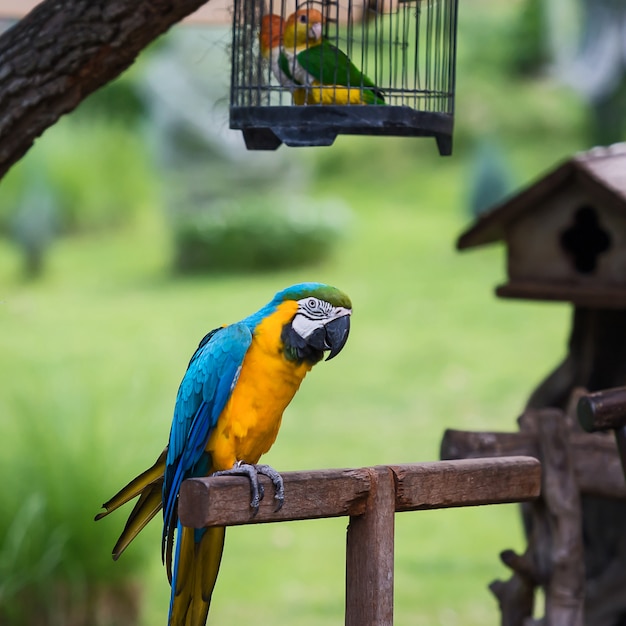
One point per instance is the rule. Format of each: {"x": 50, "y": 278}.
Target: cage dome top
{"x": 302, "y": 73}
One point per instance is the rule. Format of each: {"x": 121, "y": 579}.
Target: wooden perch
{"x": 223, "y": 500}
{"x": 603, "y": 410}
{"x": 606, "y": 410}
{"x": 370, "y": 496}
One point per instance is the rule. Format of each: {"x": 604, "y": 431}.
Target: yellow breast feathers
{"x": 249, "y": 423}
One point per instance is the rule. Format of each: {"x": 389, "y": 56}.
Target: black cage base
{"x": 266, "y": 128}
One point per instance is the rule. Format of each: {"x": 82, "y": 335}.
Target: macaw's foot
{"x": 252, "y": 471}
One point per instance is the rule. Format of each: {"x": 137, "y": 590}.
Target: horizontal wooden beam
{"x": 224, "y": 500}
{"x": 597, "y": 465}
{"x": 467, "y": 482}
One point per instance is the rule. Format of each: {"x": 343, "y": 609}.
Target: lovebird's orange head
{"x": 271, "y": 33}
{"x": 303, "y": 28}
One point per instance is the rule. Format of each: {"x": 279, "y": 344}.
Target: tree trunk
{"x": 62, "y": 51}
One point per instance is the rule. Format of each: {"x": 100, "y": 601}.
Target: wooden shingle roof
{"x": 601, "y": 172}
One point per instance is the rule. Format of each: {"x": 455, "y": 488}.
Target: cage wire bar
{"x": 406, "y": 47}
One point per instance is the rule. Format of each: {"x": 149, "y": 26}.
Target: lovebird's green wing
{"x": 330, "y": 66}
{"x": 284, "y": 66}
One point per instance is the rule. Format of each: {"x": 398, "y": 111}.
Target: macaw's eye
{"x": 313, "y": 308}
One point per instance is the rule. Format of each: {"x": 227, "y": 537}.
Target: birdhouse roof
{"x": 600, "y": 171}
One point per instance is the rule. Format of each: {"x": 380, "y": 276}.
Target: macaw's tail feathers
{"x": 196, "y": 564}
{"x": 148, "y": 486}
{"x": 149, "y": 504}
{"x": 135, "y": 486}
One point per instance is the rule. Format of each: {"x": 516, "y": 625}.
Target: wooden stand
{"x": 577, "y": 531}
{"x": 576, "y": 468}
{"x": 370, "y": 497}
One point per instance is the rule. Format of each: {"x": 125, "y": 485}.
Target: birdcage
{"x": 403, "y": 53}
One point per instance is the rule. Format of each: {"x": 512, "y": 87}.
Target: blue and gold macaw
{"x": 227, "y": 414}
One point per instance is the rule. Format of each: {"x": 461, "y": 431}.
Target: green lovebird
{"x": 326, "y": 72}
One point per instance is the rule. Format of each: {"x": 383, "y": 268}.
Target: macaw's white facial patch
{"x": 314, "y": 313}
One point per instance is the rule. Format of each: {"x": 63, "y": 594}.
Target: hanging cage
{"x": 403, "y": 53}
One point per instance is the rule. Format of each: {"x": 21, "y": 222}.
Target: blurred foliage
{"x": 119, "y": 101}
{"x": 585, "y": 50}
{"x": 491, "y": 179}
{"x": 98, "y": 172}
{"x": 229, "y": 210}
{"x": 34, "y": 225}
{"x": 527, "y": 49}
{"x": 607, "y": 123}
{"x": 257, "y": 233}
{"x": 29, "y": 559}
{"x": 55, "y": 568}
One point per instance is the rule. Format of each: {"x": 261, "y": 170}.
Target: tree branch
{"x": 62, "y": 51}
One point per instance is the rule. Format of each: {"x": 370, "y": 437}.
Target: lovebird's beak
{"x": 315, "y": 33}
{"x": 337, "y": 333}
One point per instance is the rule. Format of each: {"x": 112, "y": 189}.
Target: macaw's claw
{"x": 277, "y": 481}
{"x": 256, "y": 489}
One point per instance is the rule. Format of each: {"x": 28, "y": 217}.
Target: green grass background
{"x": 91, "y": 357}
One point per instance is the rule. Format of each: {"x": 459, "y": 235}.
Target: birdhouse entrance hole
{"x": 585, "y": 240}
{"x": 360, "y": 67}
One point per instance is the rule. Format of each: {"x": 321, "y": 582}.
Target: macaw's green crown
{"x": 298, "y": 292}
{"x": 314, "y": 290}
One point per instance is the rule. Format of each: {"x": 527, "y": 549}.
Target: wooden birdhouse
{"x": 565, "y": 234}
{"x": 303, "y": 73}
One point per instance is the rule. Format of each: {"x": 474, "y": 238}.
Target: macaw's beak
{"x": 332, "y": 336}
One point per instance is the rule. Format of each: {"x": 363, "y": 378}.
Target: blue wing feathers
{"x": 208, "y": 379}
{"x": 202, "y": 396}
{"x": 198, "y": 436}
{"x": 203, "y": 393}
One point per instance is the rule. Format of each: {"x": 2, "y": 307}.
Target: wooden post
{"x": 369, "y": 555}
{"x": 565, "y": 583}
